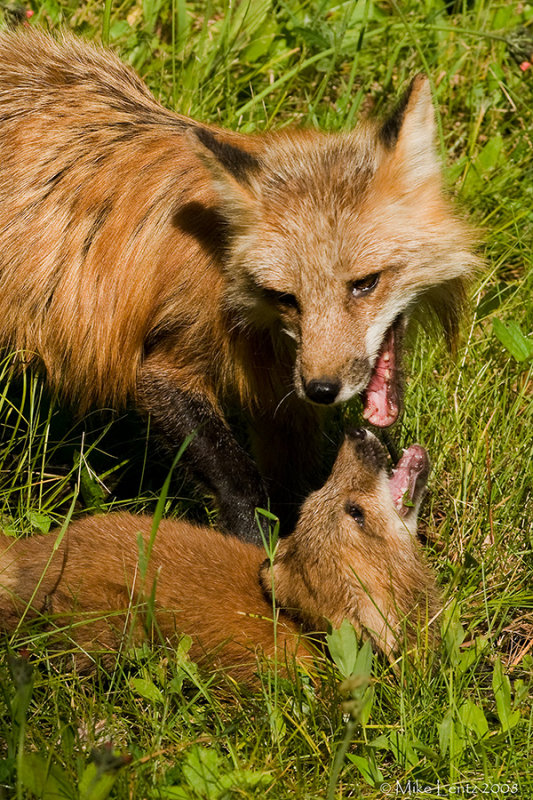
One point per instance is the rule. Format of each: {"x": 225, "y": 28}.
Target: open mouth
{"x": 381, "y": 399}
{"x": 408, "y": 479}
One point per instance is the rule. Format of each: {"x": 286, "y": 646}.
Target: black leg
{"x": 213, "y": 455}
{"x": 292, "y": 453}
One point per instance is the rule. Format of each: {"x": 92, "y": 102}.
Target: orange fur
{"x": 217, "y": 589}
{"x": 147, "y": 256}
{"x": 110, "y": 229}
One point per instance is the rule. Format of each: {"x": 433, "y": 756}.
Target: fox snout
{"x": 349, "y": 357}
{"x": 329, "y": 388}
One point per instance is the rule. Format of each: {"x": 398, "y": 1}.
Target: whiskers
{"x": 285, "y": 396}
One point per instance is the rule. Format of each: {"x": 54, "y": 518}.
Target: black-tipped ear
{"x": 231, "y": 171}
{"x": 390, "y": 129}
{"x": 410, "y": 133}
{"x": 237, "y": 162}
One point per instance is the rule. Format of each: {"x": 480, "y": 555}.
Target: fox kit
{"x": 145, "y": 256}
{"x": 353, "y": 555}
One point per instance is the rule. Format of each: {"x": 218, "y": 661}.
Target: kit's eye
{"x": 356, "y": 513}
{"x": 364, "y": 285}
{"x": 284, "y": 299}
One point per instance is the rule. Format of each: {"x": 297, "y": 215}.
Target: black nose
{"x": 356, "y": 433}
{"x": 323, "y": 392}
{"x": 368, "y": 447}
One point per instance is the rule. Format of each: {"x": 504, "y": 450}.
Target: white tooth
{"x": 386, "y": 357}
{"x": 387, "y": 374}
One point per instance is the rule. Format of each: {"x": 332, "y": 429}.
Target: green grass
{"x": 461, "y": 725}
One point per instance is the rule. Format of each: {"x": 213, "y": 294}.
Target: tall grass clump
{"x": 457, "y": 723}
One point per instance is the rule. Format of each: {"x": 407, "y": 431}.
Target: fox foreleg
{"x": 213, "y": 454}
{"x": 292, "y": 453}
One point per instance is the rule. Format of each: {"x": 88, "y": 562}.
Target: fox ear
{"x": 410, "y": 132}
{"x": 231, "y": 170}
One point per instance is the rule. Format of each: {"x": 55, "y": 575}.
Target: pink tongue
{"x": 409, "y": 478}
{"x": 381, "y": 402}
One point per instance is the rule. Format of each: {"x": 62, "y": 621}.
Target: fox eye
{"x": 364, "y": 285}
{"x": 356, "y": 513}
{"x": 282, "y": 298}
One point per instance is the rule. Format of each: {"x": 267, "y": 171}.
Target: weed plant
{"x": 457, "y": 723}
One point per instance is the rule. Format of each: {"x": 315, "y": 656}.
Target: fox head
{"x": 354, "y": 553}
{"x": 334, "y": 239}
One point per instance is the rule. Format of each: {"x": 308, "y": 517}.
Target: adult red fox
{"x": 353, "y": 555}
{"x": 147, "y": 256}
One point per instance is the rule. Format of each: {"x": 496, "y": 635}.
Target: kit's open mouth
{"x": 381, "y": 400}
{"x": 408, "y": 479}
